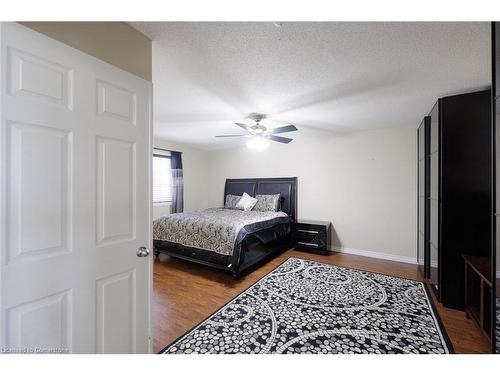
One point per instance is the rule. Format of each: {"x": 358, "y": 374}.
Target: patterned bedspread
{"x": 214, "y": 229}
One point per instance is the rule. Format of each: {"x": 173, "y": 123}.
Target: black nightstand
{"x": 312, "y": 235}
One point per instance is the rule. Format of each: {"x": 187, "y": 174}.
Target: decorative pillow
{"x": 246, "y": 202}
{"x": 231, "y": 201}
{"x": 267, "y": 202}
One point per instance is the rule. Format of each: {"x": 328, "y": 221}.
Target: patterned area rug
{"x": 309, "y": 307}
{"x": 497, "y": 330}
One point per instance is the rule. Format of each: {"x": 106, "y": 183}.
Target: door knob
{"x": 142, "y": 252}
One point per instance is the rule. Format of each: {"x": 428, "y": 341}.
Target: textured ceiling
{"x": 334, "y": 77}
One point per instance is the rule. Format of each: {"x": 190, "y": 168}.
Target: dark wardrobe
{"x": 495, "y": 252}
{"x": 454, "y": 191}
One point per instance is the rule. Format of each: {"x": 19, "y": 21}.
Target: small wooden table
{"x": 477, "y": 284}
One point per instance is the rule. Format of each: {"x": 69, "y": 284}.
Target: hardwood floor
{"x": 186, "y": 293}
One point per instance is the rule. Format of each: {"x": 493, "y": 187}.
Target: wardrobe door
{"x": 421, "y": 199}
{"x": 434, "y": 201}
{"x": 423, "y": 195}
{"x": 496, "y": 244}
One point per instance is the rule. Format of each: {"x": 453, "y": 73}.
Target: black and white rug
{"x": 309, "y": 307}
{"x": 497, "y": 330}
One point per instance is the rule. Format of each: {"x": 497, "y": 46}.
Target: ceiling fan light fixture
{"x": 260, "y": 135}
{"x": 258, "y": 143}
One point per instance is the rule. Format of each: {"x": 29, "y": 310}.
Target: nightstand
{"x": 312, "y": 235}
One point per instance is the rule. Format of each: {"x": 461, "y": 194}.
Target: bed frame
{"x": 255, "y": 248}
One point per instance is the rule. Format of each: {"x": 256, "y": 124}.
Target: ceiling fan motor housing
{"x": 257, "y": 117}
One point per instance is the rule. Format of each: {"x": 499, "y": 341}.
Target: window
{"x": 162, "y": 177}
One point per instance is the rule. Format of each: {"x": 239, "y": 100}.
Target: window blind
{"x": 162, "y": 177}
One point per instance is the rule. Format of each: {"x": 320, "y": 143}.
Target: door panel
{"x": 421, "y": 179}
{"x": 423, "y": 196}
{"x": 434, "y": 129}
{"x": 434, "y": 196}
{"x": 421, "y": 248}
{"x": 116, "y": 309}
{"x": 38, "y": 156}
{"x": 115, "y": 191}
{"x": 30, "y": 75}
{"x": 45, "y": 323}
{"x": 421, "y": 216}
{"x": 116, "y": 102}
{"x": 434, "y": 212}
{"x": 496, "y": 218}
{"x": 76, "y": 146}
{"x": 434, "y": 164}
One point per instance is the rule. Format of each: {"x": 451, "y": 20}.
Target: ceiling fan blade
{"x": 283, "y": 129}
{"x": 243, "y": 126}
{"x": 280, "y": 139}
{"x": 232, "y": 135}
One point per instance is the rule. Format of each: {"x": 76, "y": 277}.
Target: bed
{"x": 230, "y": 239}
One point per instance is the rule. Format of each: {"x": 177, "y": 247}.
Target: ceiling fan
{"x": 260, "y": 134}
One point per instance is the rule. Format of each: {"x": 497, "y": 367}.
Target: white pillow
{"x": 246, "y": 202}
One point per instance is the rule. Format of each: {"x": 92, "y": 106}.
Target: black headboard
{"x": 286, "y": 186}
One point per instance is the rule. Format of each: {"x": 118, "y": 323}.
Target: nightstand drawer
{"x": 310, "y": 244}
{"x": 309, "y": 231}
{"x": 317, "y": 238}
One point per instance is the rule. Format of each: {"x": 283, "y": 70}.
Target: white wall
{"x": 363, "y": 182}
{"x": 195, "y": 165}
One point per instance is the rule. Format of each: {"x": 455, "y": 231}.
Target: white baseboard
{"x": 385, "y": 256}
{"x": 375, "y": 254}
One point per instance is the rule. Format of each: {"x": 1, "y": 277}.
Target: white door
{"x": 75, "y": 200}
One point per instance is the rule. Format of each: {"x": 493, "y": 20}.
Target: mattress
{"x": 215, "y": 229}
